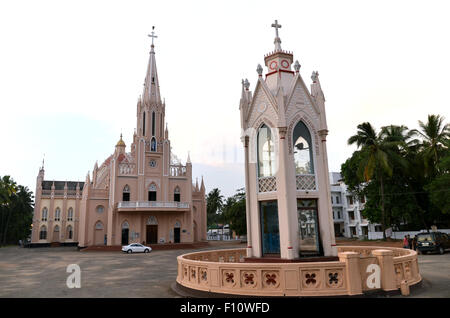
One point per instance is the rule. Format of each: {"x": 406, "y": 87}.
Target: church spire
{"x": 151, "y": 93}
{"x": 277, "y": 41}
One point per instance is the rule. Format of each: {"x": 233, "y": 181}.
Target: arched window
{"x": 303, "y": 154}
{"x": 153, "y": 144}
{"x": 152, "y": 192}
{"x": 70, "y": 214}
{"x": 100, "y": 209}
{"x": 266, "y": 152}
{"x": 43, "y": 233}
{"x": 153, "y": 123}
{"x": 143, "y": 124}
{"x": 99, "y": 225}
{"x": 56, "y": 229}
{"x": 44, "y": 214}
{"x": 176, "y": 194}
{"x": 69, "y": 232}
{"x": 57, "y": 214}
{"x": 126, "y": 193}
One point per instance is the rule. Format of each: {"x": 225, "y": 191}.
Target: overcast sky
{"x": 71, "y": 73}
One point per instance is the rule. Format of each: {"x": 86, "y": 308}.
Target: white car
{"x": 136, "y": 248}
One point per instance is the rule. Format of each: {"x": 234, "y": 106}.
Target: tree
{"x": 16, "y": 210}
{"x": 376, "y": 153}
{"x": 234, "y": 212}
{"x": 214, "y": 205}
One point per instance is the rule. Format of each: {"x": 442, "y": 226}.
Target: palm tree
{"x": 434, "y": 134}
{"x": 214, "y": 205}
{"x": 8, "y": 188}
{"x": 377, "y": 151}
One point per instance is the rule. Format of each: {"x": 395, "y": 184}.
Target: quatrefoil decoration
{"x": 229, "y": 277}
{"x": 333, "y": 278}
{"x": 249, "y": 279}
{"x": 310, "y": 278}
{"x": 193, "y": 273}
{"x": 270, "y": 279}
{"x": 204, "y": 275}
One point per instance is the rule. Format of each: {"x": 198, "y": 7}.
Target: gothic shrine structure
{"x": 139, "y": 196}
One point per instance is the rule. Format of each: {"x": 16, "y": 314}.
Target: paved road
{"x": 41, "y": 272}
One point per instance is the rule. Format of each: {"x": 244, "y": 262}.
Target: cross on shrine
{"x": 276, "y": 26}
{"x": 153, "y": 34}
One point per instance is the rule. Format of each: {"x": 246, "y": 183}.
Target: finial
{"x": 315, "y": 76}
{"x": 153, "y": 36}
{"x": 246, "y": 84}
{"x": 297, "y": 66}
{"x": 277, "y": 41}
{"x": 189, "y": 157}
{"x": 259, "y": 69}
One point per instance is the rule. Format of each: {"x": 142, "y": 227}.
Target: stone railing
{"x": 305, "y": 182}
{"x": 226, "y": 272}
{"x": 177, "y": 170}
{"x": 152, "y": 204}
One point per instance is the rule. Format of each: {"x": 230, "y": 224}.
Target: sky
{"x": 71, "y": 73}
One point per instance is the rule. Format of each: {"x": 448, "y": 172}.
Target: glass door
{"x": 270, "y": 230}
{"x": 308, "y": 227}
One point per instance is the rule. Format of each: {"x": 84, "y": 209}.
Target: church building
{"x": 143, "y": 195}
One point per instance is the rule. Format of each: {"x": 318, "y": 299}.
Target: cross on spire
{"x": 277, "y": 41}
{"x": 276, "y": 26}
{"x": 153, "y": 34}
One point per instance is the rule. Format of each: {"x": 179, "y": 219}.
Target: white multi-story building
{"x": 347, "y": 217}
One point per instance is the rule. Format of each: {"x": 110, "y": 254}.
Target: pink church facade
{"x": 144, "y": 195}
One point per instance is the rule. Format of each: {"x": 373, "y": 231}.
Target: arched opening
{"x": 176, "y": 194}
{"x": 44, "y": 214}
{"x": 99, "y": 234}
{"x": 125, "y": 233}
{"x": 57, "y": 214}
{"x": 177, "y": 232}
{"x": 153, "y": 123}
{"x": 152, "y": 230}
{"x": 153, "y": 144}
{"x": 126, "y": 193}
{"x": 56, "y": 233}
{"x": 70, "y": 214}
{"x": 43, "y": 233}
{"x": 143, "y": 124}
{"x": 69, "y": 232}
{"x": 266, "y": 152}
{"x": 152, "y": 192}
{"x": 303, "y": 153}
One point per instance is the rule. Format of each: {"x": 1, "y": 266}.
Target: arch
{"x": 153, "y": 123}
{"x": 152, "y": 220}
{"x": 265, "y": 152}
{"x": 143, "y": 124}
{"x": 303, "y": 149}
{"x": 99, "y": 233}
{"x": 57, "y": 214}
{"x": 44, "y": 214}
{"x": 125, "y": 225}
{"x": 43, "y": 233}
{"x": 126, "y": 193}
{"x": 125, "y": 233}
{"x": 69, "y": 232}
{"x": 153, "y": 145}
{"x": 56, "y": 233}
{"x": 176, "y": 194}
{"x": 70, "y": 214}
{"x": 311, "y": 127}
{"x": 152, "y": 190}
{"x": 100, "y": 209}
{"x": 177, "y": 232}
{"x": 177, "y": 224}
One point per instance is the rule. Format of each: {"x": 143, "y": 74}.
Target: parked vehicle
{"x": 432, "y": 242}
{"x": 136, "y": 248}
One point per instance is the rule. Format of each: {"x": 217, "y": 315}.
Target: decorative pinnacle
{"x": 259, "y": 69}
{"x": 297, "y": 66}
{"x": 315, "y": 76}
{"x": 246, "y": 84}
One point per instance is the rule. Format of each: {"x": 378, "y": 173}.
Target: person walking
{"x": 409, "y": 242}
{"x": 405, "y": 242}
{"x": 414, "y": 242}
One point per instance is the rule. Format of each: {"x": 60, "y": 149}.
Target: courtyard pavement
{"x": 41, "y": 272}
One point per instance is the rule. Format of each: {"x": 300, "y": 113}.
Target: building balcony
{"x": 127, "y": 206}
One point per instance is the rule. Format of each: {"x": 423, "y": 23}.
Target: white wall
{"x": 401, "y": 235}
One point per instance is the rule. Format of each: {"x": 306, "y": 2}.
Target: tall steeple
{"x": 151, "y": 93}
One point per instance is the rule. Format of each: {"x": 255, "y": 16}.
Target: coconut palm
{"x": 377, "y": 151}
{"x": 434, "y": 134}
{"x": 214, "y": 205}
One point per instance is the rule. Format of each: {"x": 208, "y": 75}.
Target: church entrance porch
{"x": 152, "y": 234}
